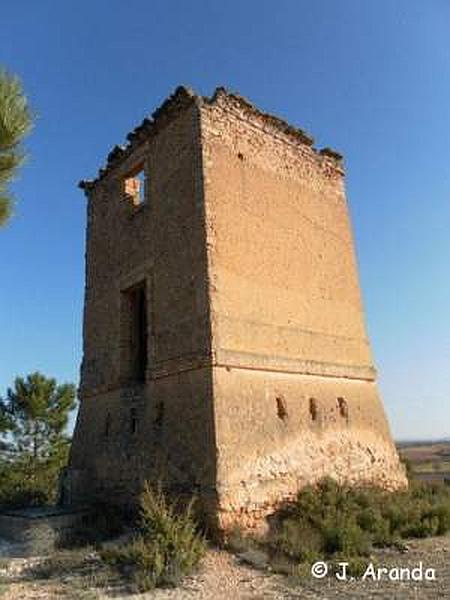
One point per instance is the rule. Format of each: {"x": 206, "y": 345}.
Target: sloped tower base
{"x": 290, "y": 442}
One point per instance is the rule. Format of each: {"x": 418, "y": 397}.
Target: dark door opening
{"x": 135, "y": 343}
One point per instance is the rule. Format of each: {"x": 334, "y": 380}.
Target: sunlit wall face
{"x": 370, "y": 79}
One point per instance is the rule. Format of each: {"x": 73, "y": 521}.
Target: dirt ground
{"x": 223, "y": 576}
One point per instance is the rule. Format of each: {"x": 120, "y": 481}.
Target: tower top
{"x": 183, "y": 97}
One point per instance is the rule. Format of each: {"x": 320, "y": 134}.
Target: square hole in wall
{"x": 133, "y": 421}
{"x": 135, "y": 185}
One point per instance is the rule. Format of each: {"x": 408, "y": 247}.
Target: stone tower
{"x": 225, "y": 350}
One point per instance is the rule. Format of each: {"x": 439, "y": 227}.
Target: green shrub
{"x": 339, "y": 522}
{"x": 298, "y": 540}
{"x": 442, "y": 512}
{"x": 166, "y": 546}
{"x": 22, "y": 484}
{"x": 345, "y": 536}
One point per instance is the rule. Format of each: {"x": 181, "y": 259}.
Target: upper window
{"x": 134, "y": 185}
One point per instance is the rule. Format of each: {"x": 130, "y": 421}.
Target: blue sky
{"x": 371, "y": 79}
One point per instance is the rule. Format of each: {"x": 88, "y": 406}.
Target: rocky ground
{"x": 224, "y": 576}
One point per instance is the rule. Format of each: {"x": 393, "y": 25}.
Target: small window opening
{"x": 135, "y": 186}
{"x": 133, "y": 421}
{"x": 135, "y": 335}
{"x": 281, "y": 408}
{"x": 313, "y": 409}
{"x": 343, "y": 407}
{"x": 107, "y": 425}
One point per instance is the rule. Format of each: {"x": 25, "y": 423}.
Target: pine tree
{"x": 34, "y": 444}
{"x": 15, "y": 123}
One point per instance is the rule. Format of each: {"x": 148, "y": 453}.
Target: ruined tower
{"x": 225, "y": 350}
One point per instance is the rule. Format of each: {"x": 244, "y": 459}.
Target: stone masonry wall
{"x": 294, "y": 386}
{"x": 160, "y": 428}
{"x": 259, "y": 375}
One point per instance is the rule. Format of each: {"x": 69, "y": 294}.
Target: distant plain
{"x": 429, "y": 460}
